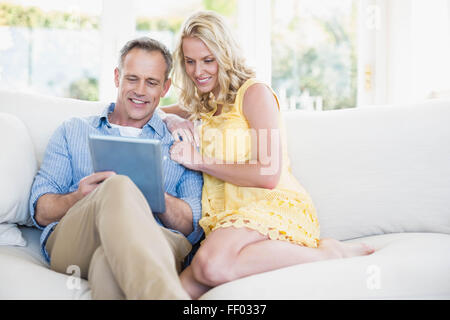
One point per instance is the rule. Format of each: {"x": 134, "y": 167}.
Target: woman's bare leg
{"x": 280, "y": 254}
{"x": 195, "y": 284}
{"x": 232, "y": 253}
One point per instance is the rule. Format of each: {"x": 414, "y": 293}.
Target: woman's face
{"x": 201, "y": 65}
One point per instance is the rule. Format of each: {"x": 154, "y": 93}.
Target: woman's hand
{"x": 181, "y": 129}
{"x": 186, "y": 154}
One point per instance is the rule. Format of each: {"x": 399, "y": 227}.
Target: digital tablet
{"x": 139, "y": 159}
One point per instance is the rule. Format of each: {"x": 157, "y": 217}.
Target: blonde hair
{"x": 216, "y": 35}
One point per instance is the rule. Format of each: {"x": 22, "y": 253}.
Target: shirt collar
{"x": 104, "y": 116}
{"x": 157, "y": 124}
{"x": 155, "y": 121}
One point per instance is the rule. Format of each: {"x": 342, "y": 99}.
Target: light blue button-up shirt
{"x": 67, "y": 160}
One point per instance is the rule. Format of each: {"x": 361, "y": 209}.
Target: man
{"x": 101, "y": 222}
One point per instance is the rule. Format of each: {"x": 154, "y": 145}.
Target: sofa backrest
{"x": 43, "y": 114}
{"x": 370, "y": 170}
{"x": 377, "y": 169}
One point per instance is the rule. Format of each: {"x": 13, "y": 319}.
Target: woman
{"x": 255, "y": 215}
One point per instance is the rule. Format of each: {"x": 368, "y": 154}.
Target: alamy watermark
{"x": 231, "y": 146}
{"x": 373, "y": 280}
{"x": 373, "y": 17}
{"x": 74, "y": 280}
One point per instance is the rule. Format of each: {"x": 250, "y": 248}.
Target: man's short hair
{"x": 149, "y": 45}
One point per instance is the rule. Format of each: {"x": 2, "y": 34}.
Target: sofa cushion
{"x": 17, "y": 170}
{"x": 375, "y": 170}
{"x": 404, "y": 266}
{"x": 24, "y": 274}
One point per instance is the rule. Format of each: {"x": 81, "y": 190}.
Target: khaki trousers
{"x": 112, "y": 236}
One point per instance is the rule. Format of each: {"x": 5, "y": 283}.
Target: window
{"x": 314, "y": 61}
{"x": 52, "y": 49}
{"x": 164, "y": 21}
{"x": 316, "y": 54}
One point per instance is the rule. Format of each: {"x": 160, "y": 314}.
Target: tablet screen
{"x": 139, "y": 159}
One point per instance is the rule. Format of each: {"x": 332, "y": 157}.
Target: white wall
{"x": 372, "y": 58}
{"x": 407, "y": 51}
{"x": 431, "y": 47}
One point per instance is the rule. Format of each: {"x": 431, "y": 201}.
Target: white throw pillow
{"x": 10, "y": 235}
{"x": 18, "y": 167}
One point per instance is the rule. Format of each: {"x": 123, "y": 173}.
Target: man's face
{"x": 141, "y": 84}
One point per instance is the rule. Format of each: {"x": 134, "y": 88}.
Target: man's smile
{"x": 138, "y": 102}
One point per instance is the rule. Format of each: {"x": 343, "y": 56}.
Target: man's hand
{"x": 52, "y": 207}
{"x": 90, "y": 183}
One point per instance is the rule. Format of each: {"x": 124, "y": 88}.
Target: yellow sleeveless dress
{"x": 285, "y": 213}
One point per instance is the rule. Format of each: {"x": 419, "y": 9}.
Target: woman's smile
{"x": 202, "y": 81}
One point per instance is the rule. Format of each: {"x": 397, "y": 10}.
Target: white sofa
{"x": 378, "y": 174}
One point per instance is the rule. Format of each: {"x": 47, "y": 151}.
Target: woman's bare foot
{"x": 338, "y": 249}
{"x": 194, "y": 288}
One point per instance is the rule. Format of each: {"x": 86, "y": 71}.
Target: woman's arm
{"x": 174, "y": 109}
{"x": 176, "y": 120}
{"x": 261, "y": 111}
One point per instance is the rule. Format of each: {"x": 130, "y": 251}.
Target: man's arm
{"x": 54, "y": 178}
{"x": 178, "y": 215}
{"x": 189, "y": 190}
{"x": 52, "y": 207}
{"x": 184, "y": 211}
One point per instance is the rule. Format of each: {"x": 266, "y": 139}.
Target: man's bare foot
{"x": 338, "y": 249}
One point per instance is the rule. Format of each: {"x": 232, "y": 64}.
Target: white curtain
{"x": 254, "y": 23}
{"x": 118, "y": 25}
